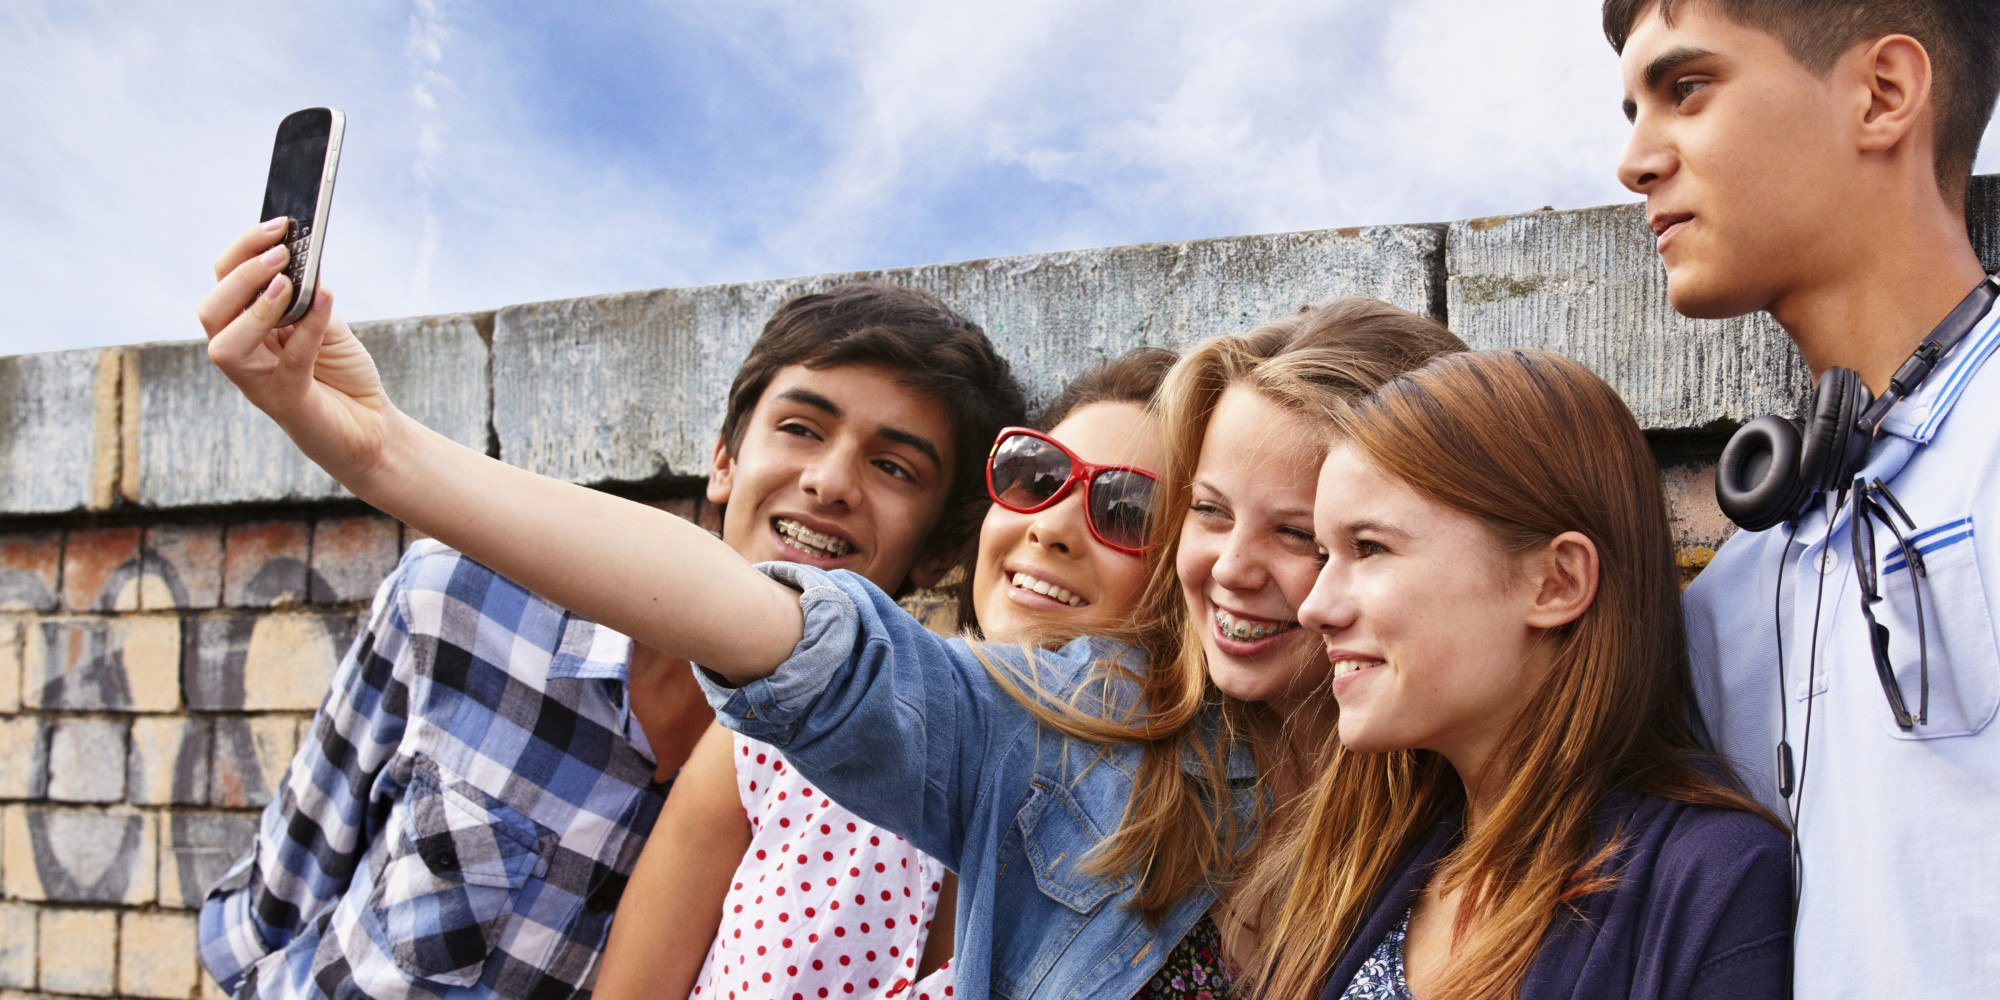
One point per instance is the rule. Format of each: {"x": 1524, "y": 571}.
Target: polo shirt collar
{"x": 1919, "y": 417}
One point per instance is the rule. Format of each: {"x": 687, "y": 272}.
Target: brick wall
{"x": 177, "y": 583}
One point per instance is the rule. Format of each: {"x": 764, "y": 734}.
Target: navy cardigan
{"x": 1702, "y": 907}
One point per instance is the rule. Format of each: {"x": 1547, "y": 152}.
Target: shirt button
{"x": 1828, "y": 561}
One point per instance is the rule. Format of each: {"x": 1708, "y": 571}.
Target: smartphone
{"x": 301, "y": 189}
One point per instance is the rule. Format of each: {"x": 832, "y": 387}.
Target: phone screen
{"x": 297, "y": 164}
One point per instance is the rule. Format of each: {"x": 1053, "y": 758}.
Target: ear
{"x": 1896, "y": 71}
{"x": 721, "y": 472}
{"x": 1564, "y": 577}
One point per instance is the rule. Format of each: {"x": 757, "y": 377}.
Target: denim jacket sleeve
{"x": 900, "y": 725}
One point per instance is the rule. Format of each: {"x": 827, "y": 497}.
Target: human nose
{"x": 1327, "y": 608}
{"x": 1060, "y": 526}
{"x": 834, "y": 477}
{"x": 1647, "y": 159}
{"x": 1240, "y": 565}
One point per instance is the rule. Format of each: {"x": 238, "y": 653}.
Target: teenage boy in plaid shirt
{"x": 487, "y": 765}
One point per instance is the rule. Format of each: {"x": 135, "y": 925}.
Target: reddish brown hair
{"x": 1533, "y": 445}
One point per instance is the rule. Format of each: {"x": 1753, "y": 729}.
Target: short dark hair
{"x": 1962, "y": 37}
{"x": 1132, "y": 377}
{"x": 930, "y": 348}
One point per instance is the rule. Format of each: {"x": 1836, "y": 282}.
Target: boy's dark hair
{"x": 1962, "y": 37}
{"x": 931, "y": 349}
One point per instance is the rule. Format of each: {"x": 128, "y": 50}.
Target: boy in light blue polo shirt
{"x": 1810, "y": 159}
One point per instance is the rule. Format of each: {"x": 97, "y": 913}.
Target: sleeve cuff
{"x": 770, "y": 708}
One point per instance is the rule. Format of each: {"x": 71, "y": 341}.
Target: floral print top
{"x": 1196, "y": 968}
{"x": 1381, "y": 976}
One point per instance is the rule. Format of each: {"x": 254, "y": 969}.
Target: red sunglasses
{"x": 1029, "y": 471}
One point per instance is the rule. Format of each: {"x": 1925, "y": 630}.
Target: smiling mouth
{"x": 808, "y": 541}
{"x": 1666, "y": 225}
{"x": 1249, "y": 629}
{"x": 1342, "y": 668}
{"x": 1034, "y": 585}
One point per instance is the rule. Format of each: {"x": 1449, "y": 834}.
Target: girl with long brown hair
{"x": 1518, "y": 807}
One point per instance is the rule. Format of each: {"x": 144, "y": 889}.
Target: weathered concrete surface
{"x": 1982, "y": 219}
{"x": 629, "y": 387}
{"x": 1588, "y": 284}
{"x": 194, "y": 440}
{"x": 58, "y": 431}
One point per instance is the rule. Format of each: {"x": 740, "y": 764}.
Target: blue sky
{"x": 501, "y": 153}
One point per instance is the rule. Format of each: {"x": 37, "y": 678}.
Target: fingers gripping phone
{"x": 301, "y": 189}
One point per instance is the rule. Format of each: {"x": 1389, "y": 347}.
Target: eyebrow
{"x": 1671, "y": 60}
{"x": 916, "y": 441}
{"x": 1658, "y": 69}
{"x": 1374, "y": 527}
{"x": 810, "y": 398}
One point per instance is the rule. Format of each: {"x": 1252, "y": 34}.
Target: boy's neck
{"x": 1897, "y": 285}
{"x": 669, "y": 706}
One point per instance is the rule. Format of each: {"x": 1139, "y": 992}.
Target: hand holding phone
{"x": 300, "y": 188}
{"x": 300, "y": 364}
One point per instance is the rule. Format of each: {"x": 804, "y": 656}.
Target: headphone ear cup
{"x": 1757, "y": 479}
{"x": 1833, "y": 450}
{"x": 1757, "y": 482}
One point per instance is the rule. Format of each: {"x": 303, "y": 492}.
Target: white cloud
{"x": 904, "y": 130}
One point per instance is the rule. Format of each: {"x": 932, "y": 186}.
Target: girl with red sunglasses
{"x": 1060, "y": 553}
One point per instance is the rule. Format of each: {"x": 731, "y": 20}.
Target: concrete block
{"x": 101, "y": 569}
{"x": 936, "y": 609}
{"x": 278, "y": 661}
{"x": 13, "y": 641}
{"x": 196, "y": 850}
{"x": 251, "y": 755}
{"x": 156, "y": 954}
{"x": 181, "y": 567}
{"x": 77, "y": 951}
{"x": 19, "y": 943}
{"x": 169, "y": 759}
{"x": 87, "y": 759}
{"x": 623, "y": 388}
{"x": 685, "y": 508}
{"x": 1589, "y": 285}
{"x": 124, "y": 664}
{"x": 350, "y": 556}
{"x": 24, "y": 757}
{"x": 79, "y": 855}
{"x": 58, "y": 431}
{"x": 264, "y": 563}
{"x": 30, "y": 570}
{"x": 196, "y": 441}
{"x": 1982, "y": 219}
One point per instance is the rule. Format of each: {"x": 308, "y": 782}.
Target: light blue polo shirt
{"x": 1899, "y": 832}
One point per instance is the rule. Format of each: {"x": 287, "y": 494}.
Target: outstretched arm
{"x": 638, "y": 570}
{"x": 672, "y": 908}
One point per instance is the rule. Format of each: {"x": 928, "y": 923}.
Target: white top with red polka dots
{"x": 824, "y": 904}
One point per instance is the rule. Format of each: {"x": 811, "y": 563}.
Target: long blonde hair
{"x": 1533, "y": 445}
{"x": 1179, "y": 834}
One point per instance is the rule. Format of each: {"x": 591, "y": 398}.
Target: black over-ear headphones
{"x": 1772, "y": 467}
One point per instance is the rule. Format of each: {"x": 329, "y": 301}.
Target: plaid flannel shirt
{"x": 462, "y": 818}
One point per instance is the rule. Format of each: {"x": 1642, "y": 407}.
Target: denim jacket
{"x": 906, "y": 729}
